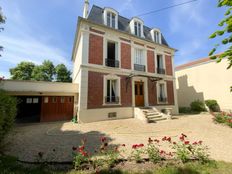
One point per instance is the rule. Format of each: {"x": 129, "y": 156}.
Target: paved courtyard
{"x": 56, "y": 140}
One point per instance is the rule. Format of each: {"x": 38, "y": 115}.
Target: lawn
{"x": 10, "y": 165}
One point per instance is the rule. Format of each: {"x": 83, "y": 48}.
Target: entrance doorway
{"x": 139, "y": 94}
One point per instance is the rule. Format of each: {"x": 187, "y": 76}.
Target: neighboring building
{"x": 120, "y": 64}
{"x": 204, "y": 79}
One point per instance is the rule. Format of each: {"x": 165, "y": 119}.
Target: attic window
{"x": 111, "y": 18}
{"x": 156, "y": 35}
{"x": 137, "y": 28}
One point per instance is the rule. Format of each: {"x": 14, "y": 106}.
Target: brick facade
{"x": 168, "y": 61}
{"x": 95, "y": 49}
{"x": 152, "y": 93}
{"x": 170, "y": 92}
{"x": 150, "y": 61}
{"x": 96, "y": 89}
{"x": 125, "y": 56}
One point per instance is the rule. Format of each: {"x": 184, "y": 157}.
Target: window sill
{"x": 111, "y": 104}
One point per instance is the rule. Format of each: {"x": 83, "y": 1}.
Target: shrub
{"x": 8, "y": 110}
{"x": 137, "y": 152}
{"x": 184, "y": 109}
{"x": 197, "y": 106}
{"x": 212, "y": 105}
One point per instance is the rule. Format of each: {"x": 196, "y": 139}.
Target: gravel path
{"x": 56, "y": 140}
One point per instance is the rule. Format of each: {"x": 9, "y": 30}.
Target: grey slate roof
{"x": 96, "y": 16}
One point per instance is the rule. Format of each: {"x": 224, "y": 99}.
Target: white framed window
{"x": 111, "y": 89}
{"x": 156, "y": 35}
{"x": 45, "y": 99}
{"x": 136, "y": 26}
{"x": 138, "y": 59}
{"x": 35, "y": 100}
{"x": 162, "y": 92}
{"x": 111, "y": 18}
{"x": 160, "y": 64}
{"x": 29, "y": 100}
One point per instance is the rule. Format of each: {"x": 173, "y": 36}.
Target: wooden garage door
{"x": 57, "y": 108}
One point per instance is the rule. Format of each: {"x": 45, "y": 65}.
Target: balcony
{"x": 138, "y": 67}
{"x": 112, "y": 100}
{"x": 112, "y": 63}
{"x": 162, "y": 99}
{"x": 160, "y": 71}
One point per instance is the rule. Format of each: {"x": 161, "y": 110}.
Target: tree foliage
{"x": 23, "y": 71}
{"x": 2, "y": 21}
{"x": 44, "y": 72}
{"x": 62, "y": 73}
{"x": 225, "y": 33}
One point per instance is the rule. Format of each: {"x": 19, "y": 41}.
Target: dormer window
{"x": 136, "y": 26}
{"x": 156, "y": 35}
{"x": 137, "y": 29}
{"x": 111, "y": 18}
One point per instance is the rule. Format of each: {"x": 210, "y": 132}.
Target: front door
{"x": 139, "y": 94}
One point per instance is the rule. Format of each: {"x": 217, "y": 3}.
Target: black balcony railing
{"x": 163, "y": 99}
{"x": 112, "y": 63}
{"x": 112, "y": 99}
{"x": 160, "y": 71}
{"x": 138, "y": 67}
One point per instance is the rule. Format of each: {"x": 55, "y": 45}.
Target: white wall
{"x": 209, "y": 80}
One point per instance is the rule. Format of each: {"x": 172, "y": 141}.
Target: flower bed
{"x": 223, "y": 118}
{"x": 108, "y": 156}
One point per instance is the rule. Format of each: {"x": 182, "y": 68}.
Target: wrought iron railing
{"x": 139, "y": 67}
{"x": 160, "y": 71}
{"x": 163, "y": 99}
{"x": 112, "y": 99}
{"x": 112, "y": 63}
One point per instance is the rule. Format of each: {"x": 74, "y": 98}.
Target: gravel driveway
{"x": 56, "y": 140}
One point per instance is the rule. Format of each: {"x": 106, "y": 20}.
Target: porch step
{"x": 152, "y": 115}
{"x": 156, "y": 119}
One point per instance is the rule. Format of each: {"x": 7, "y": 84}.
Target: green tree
{"x": 44, "y": 72}
{"x": 23, "y": 71}
{"x": 62, "y": 73}
{"x": 2, "y": 21}
{"x": 224, "y": 33}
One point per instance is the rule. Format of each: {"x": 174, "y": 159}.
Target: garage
{"x": 43, "y": 101}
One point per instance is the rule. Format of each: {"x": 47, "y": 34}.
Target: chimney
{"x": 86, "y": 9}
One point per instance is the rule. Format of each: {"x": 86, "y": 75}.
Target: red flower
{"x": 103, "y": 139}
{"x": 134, "y": 146}
{"x": 150, "y": 140}
{"x": 195, "y": 143}
{"x": 123, "y": 145}
{"x": 200, "y": 142}
{"x": 84, "y": 153}
{"x": 140, "y": 145}
{"x": 174, "y": 142}
{"x": 230, "y": 121}
{"x": 186, "y": 142}
{"x": 164, "y": 138}
{"x": 169, "y": 139}
{"x": 156, "y": 140}
{"x": 162, "y": 152}
{"x": 182, "y": 138}
{"x": 183, "y": 135}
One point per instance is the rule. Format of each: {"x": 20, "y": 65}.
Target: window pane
{"x": 139, "y": 29}
{"x": 136, "y": 28}
{"x": 35, "y": 100}
{"x": 113, "y": 20}
{"x": 54, "y": 99}
{"x": 62, "y": 99}
{"x": 29, "y": 100}
{"x": 108, "y": 19}
{"x": 136, "y": 89}
{"x": 45, "y": 99}
{"x": 108, "y": 90}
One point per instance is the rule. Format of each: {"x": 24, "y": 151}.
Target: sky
{"x": 45, "y": 29}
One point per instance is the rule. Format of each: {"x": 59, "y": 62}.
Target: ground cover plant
{"x": 223, "y": 118}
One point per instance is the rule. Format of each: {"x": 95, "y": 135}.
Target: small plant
{"x": 212, "y": 105}
{"x": 153, "y": 150}
{"x": 80, "y": 156}
{"x": 197, "y": 106}
{"x": 137, "y": 152}
{"x": 184, "y": 109}
{"x": 224, "y": 118}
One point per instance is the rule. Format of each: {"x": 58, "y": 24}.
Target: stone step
{"x": 152, "y": 113}
{"x": 153, "y": 116}
{"x": 149, "y": 111}
{"x": 156, "y": 119}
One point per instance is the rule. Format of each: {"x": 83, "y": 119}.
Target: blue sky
{"x": 37, "y": 30}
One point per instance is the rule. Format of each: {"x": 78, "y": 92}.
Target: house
{"x": 122, "y": 69}
{"x": 204, "y": 79}
{"x": 120, "y": 65}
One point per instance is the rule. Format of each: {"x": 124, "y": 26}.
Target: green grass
{"x": 9, "y": 165}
